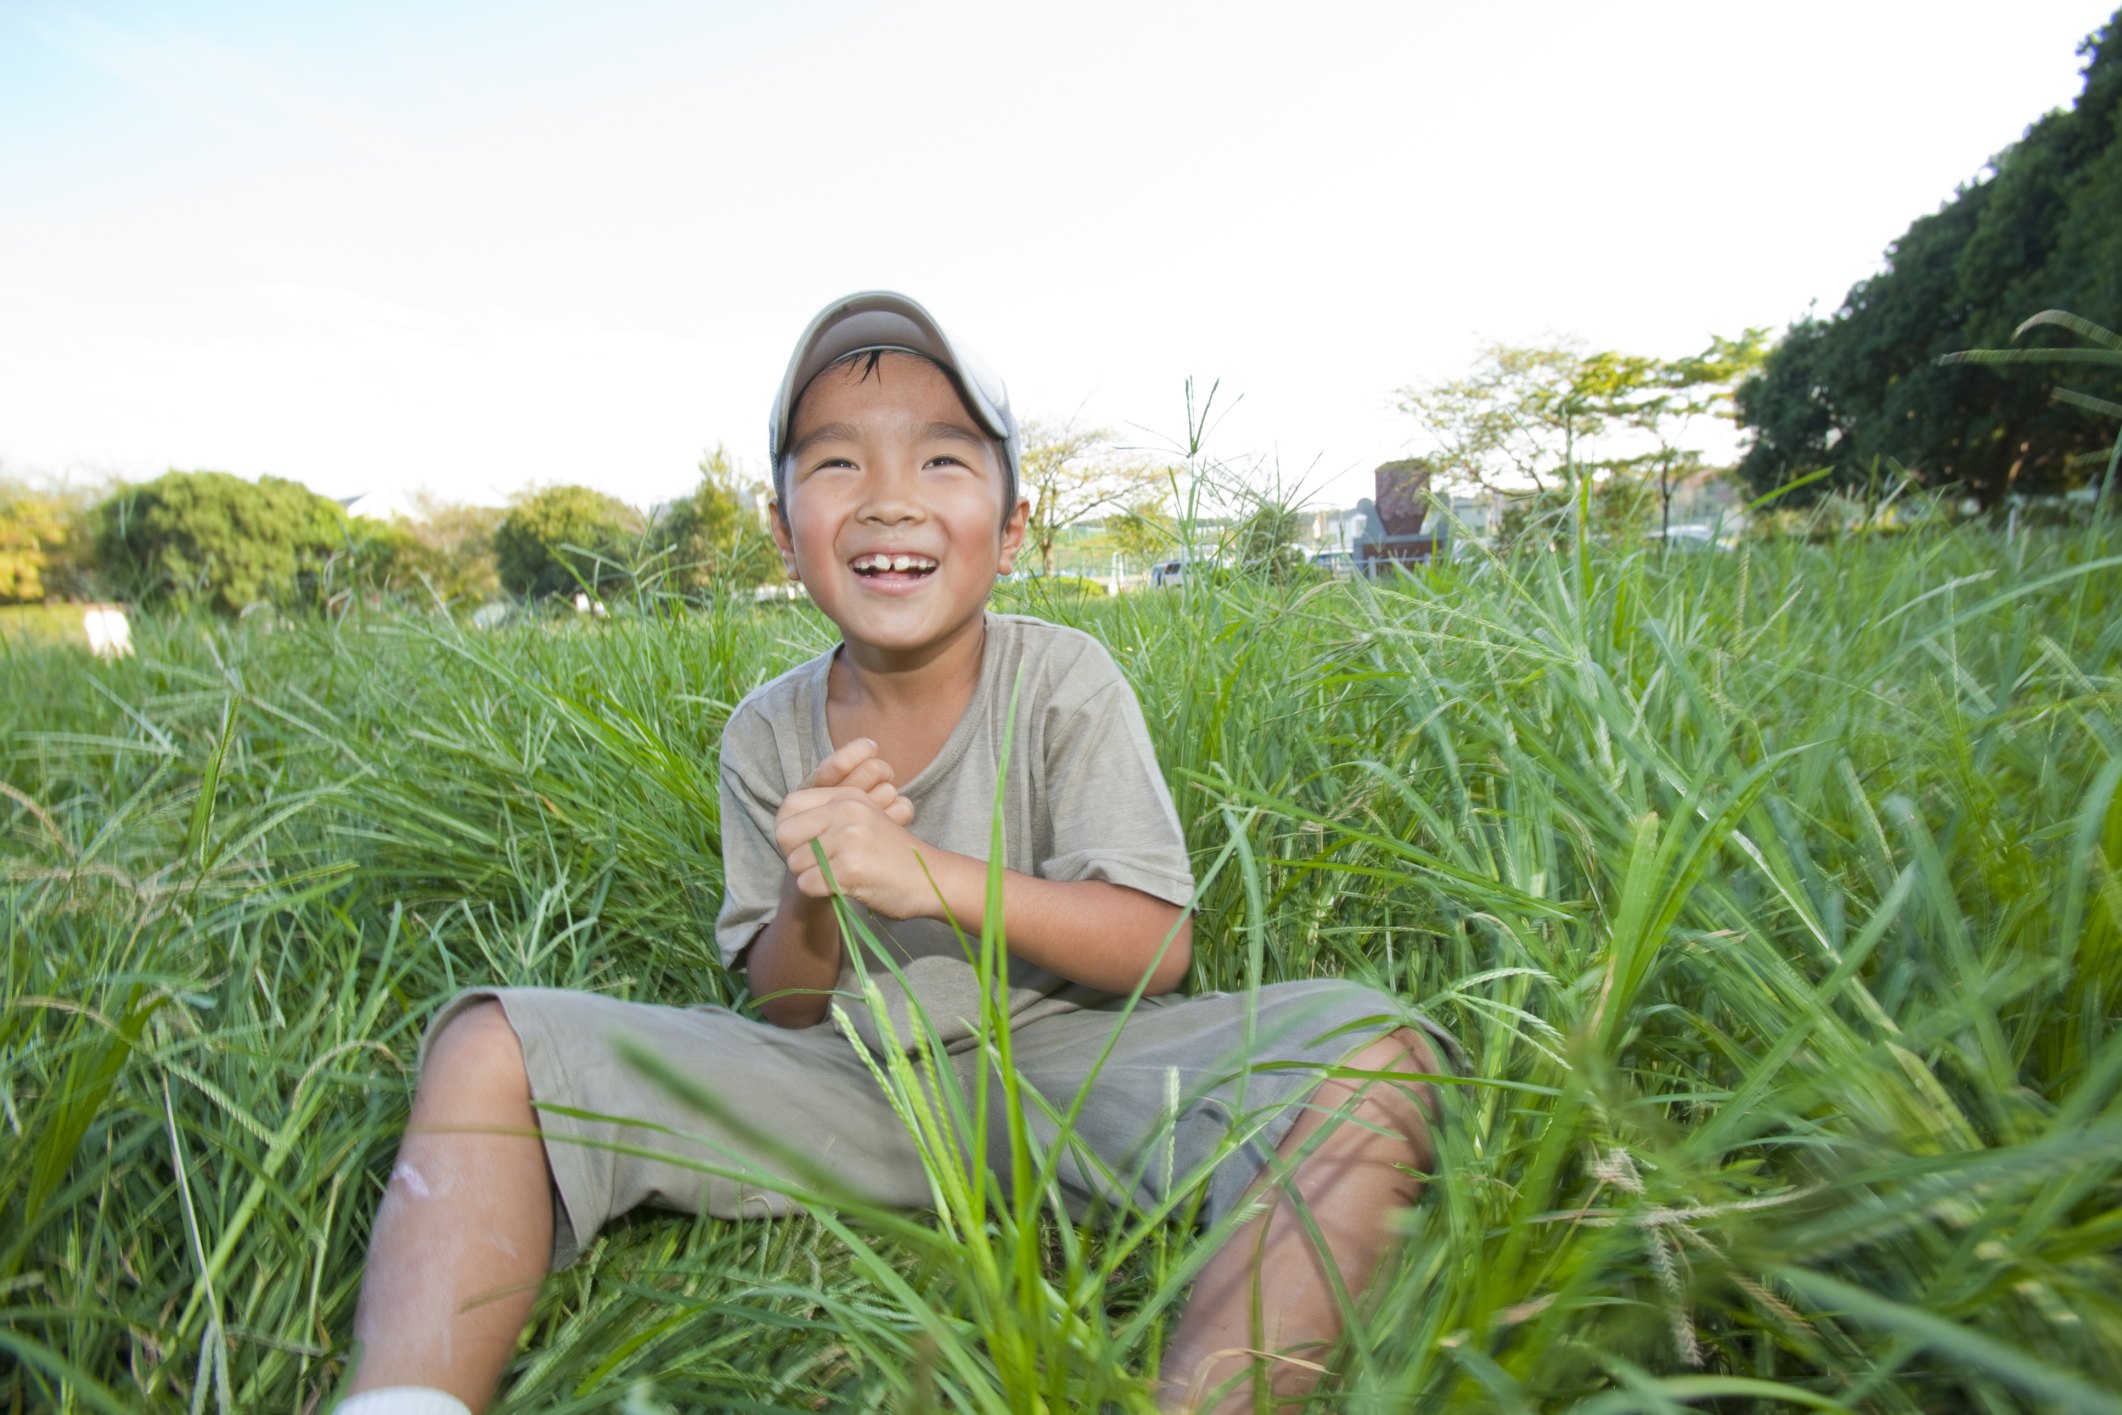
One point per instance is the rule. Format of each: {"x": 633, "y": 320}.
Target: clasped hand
{"x": 851, "y": 810}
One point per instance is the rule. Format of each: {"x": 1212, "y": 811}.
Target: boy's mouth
{"x": 894, "y": 565}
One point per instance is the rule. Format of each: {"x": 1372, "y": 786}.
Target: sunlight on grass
{"x": 1773, "y": 893}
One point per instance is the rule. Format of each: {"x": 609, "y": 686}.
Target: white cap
{"x": 881, "y": 321}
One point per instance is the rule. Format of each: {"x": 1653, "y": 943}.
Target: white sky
{"x": 475, "y": 246}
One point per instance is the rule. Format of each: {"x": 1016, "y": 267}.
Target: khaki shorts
{"x": 1180, "y": 1098}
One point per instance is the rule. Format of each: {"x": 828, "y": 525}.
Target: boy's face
{"x": 890, "y": 466}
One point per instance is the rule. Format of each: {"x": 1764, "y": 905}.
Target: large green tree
{"x": 33, "y": 531}
{"x": 1863, "y": 385}
{"x": 560, "y": 538}
{"x": 712, "y": 539}
{"x": 216, "y": 539}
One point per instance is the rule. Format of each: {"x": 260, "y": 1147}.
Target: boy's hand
{"x": 857, "y": 767}
{"x": 851, "y": 809}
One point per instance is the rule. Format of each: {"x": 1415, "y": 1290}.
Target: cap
{"x": 879, "y": 320}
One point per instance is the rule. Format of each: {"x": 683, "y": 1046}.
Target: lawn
{"x": 32, "y": 624}
{"x": 1776, "y": 894}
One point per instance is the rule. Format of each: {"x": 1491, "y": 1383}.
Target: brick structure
{"x": 1392, "y": 519}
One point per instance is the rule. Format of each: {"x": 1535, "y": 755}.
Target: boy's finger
{"x": 804, "y": 866}
{"x": 807, "y": 815}
{"x": 868, "y": 775}
{"x": 901, "y": 810}
{"x": 834, "y": 769}
{"x": 812, "y": 798}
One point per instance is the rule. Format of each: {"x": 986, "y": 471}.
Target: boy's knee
{"x": 1388, "y": 1094}
{"x": 1407, "y": 1051}
{"x": 476, "y": 1051}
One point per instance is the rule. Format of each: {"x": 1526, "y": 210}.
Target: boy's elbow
{"x": 793, "y": 1011}
{"x": 1177, "y": 956}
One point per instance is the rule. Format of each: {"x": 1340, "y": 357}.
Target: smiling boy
{"x": 895, "y": 463}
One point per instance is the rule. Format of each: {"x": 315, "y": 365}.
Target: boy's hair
{"x": 879, "y": 322}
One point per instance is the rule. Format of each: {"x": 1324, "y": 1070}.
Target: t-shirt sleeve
{"x": 751, "y": 862}
{"x": 1111, "y": 813}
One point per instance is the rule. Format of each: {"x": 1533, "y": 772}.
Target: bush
{"x": 559, "y": 539}
{"x": 215, "y": 539}
{"x": 32, "y": 527}
{"x": 1038, "y": 593}
{"x": 1284, "y": 565}
{"x": 446, "y": 553}
{"x": 1070, "y": 584}
{"x": 711, "y": 540}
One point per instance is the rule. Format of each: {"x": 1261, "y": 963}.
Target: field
{"x": 1776, "y": 894}
{"x": 23, "y": 625}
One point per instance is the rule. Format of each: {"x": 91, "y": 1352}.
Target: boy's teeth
{"x": 896, "y": 563}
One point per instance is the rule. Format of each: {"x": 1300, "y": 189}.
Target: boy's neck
{"x": 908, "y": 702}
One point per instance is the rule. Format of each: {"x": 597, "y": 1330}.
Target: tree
{"x": 1145, "y": 529}
{"x": 449, "y": 550}
{"x": 1513, "y": 423}
{"x": 1661, "y": 399}
{"x": 1527, "y": 420}
{"x": 1068, "y": 473}
{"x": 560, "y": 538}
{"x": 216, "y": 539}
{"x": 712, "y": 538}
{"x": 2105, "y": 353}
{"x": 33, "y": 530}
{"x": 1261, "y": 540}
{"x": 1866, "y": 384}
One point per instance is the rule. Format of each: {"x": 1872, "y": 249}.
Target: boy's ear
{"x": 777, "y": 519}
{"x": 1013, "y": 535}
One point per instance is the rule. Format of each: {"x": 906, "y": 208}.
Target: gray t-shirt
{"x": 1083, "y": 799}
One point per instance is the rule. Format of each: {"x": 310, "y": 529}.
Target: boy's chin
{"x": 916, "y": 634}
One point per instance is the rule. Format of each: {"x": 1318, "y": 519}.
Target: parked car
{"x": 1338, "y": 563}
{"x": 1172, "y": 573}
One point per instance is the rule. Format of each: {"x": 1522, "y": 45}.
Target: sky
{"x": 470, "y": 247}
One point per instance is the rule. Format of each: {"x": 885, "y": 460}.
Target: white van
{"x": 1170, "y": 574}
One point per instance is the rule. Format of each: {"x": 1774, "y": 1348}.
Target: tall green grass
{"x": 1774, "y": 894}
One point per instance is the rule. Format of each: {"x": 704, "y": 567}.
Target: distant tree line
{"x": 211, "y": 540}
{"x": 1863, "y": 388}
{"x": 1534, "y": 423}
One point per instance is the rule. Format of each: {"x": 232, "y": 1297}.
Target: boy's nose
{"x": 892, "y": 496}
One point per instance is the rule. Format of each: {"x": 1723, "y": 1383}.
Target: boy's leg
{"x": 469, "y": 1223}
{"x": 1376, "y": 1141}
{"x": 465, "y": 1229}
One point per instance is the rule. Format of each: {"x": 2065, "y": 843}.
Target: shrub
{"x": 711, "y": 540}
{"x": 216, "y": 539}
{"x": 556, "y": 540}
{"x": 32, "y": 527}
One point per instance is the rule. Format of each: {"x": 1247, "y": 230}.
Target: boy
{"x": 895, "y": 469}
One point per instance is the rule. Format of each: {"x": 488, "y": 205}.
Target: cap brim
{"x": 884, "y": 321}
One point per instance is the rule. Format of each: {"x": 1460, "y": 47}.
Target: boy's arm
{"x": 798, "y": 952}
{"x": 797, "y": 955}
{"x": 1089, "y": 931}
{"x": 1093, "y": 932}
